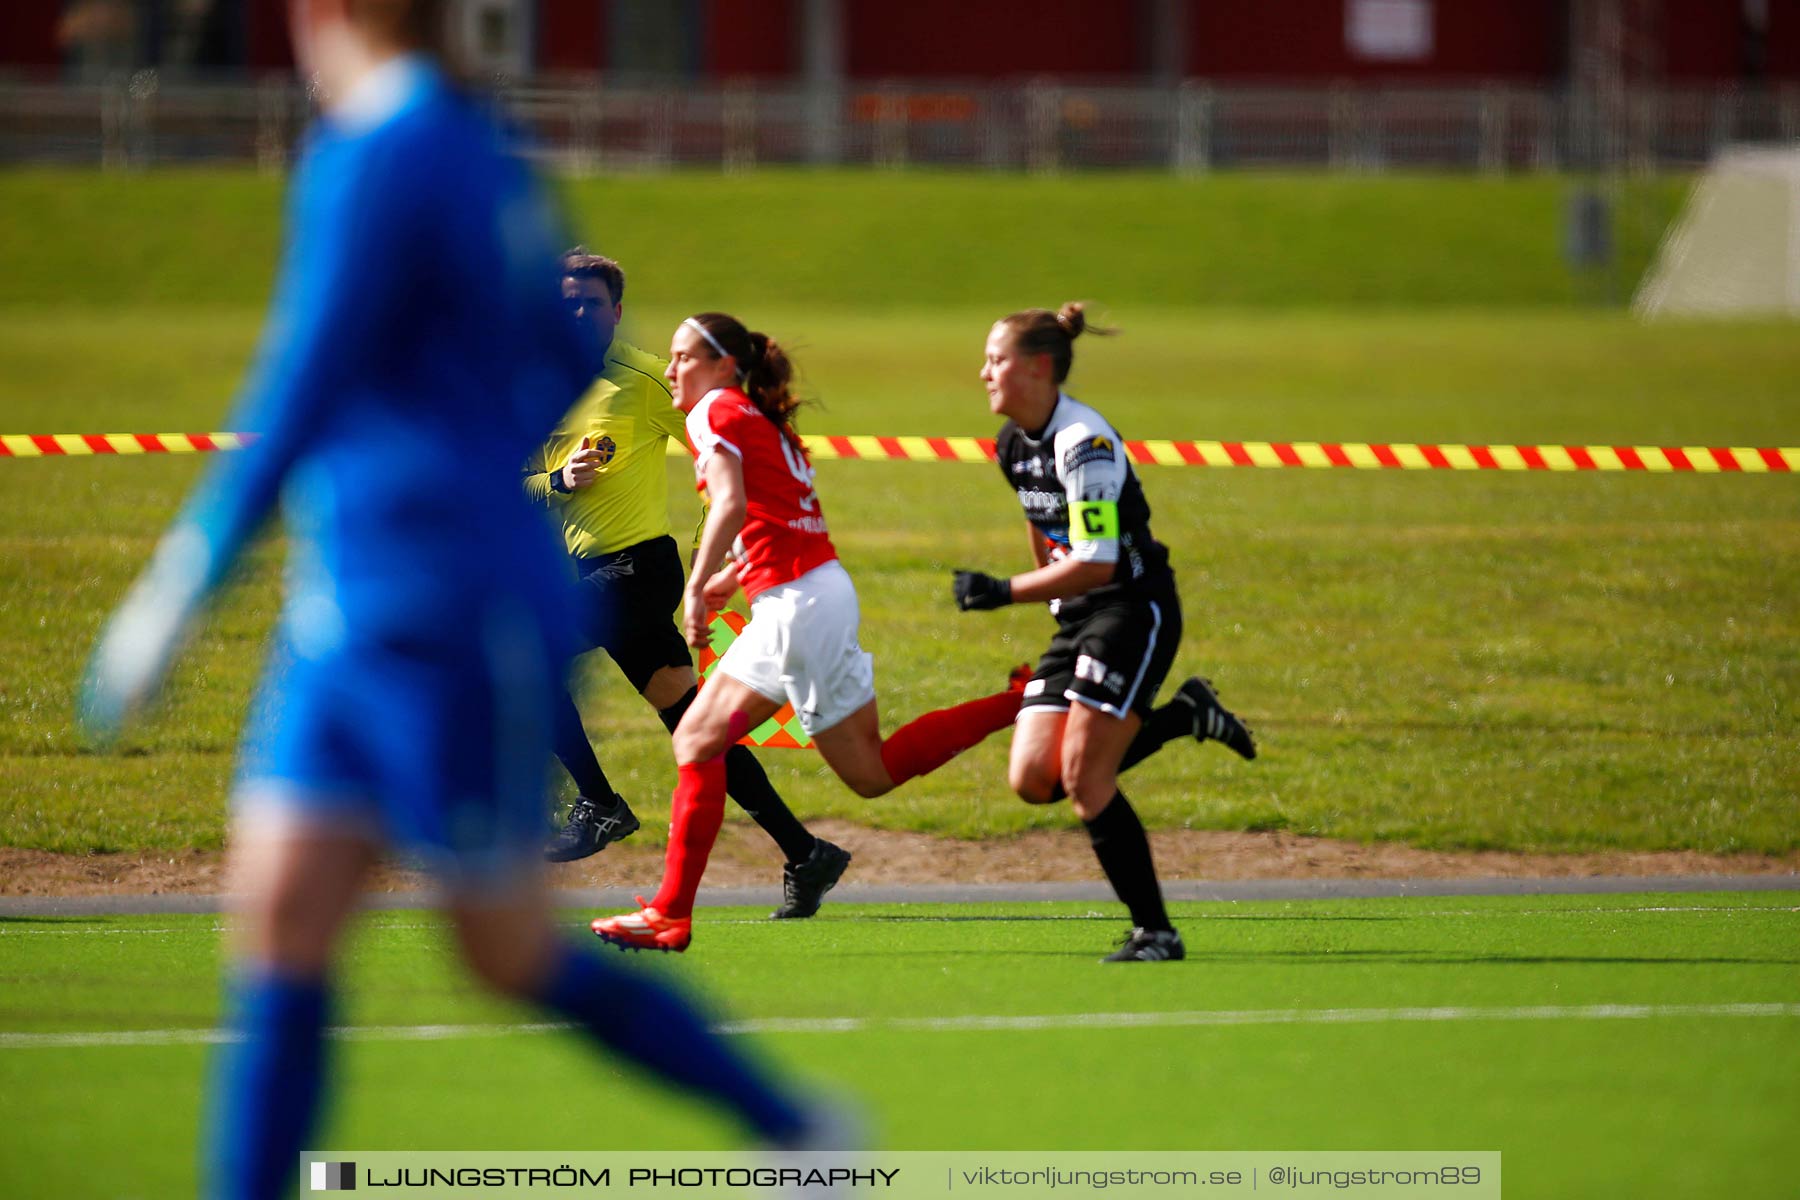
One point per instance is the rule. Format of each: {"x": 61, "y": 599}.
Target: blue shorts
{"x": 435, "y": 745}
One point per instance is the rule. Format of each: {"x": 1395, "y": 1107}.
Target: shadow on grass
{"x": 1339, "y": 958}
{"x": 1115, "y": 918}
{"x": 1425, "y": 958}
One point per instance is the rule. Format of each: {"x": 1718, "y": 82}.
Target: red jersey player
{"x": 800, "y": 646}
{"x": 783, "y": 535}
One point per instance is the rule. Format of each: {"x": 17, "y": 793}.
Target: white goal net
{"x": 1735, "y": 250}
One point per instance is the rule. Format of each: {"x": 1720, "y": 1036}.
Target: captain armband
{"x": 1094, "y": 521}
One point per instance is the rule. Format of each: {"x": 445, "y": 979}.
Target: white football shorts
{"x": 800, "y": 646}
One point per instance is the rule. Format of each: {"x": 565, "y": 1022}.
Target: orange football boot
{"x": 645, "y": 929}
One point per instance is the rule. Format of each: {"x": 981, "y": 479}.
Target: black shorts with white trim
{"x": 1113, "y": 658}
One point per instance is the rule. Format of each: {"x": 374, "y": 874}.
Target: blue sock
{"x": 265, "y": 1087}
{"x": 654, "y": 1027}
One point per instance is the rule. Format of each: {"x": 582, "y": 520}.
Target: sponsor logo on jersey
{"x": 1098, "y": 448}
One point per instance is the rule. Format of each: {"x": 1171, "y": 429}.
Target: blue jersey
{"x": 417, "y": 352}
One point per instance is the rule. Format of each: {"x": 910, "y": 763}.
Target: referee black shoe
{"x": 803, "y": 885}
{"x": 589, "y": 830}
{"x": 1212, "y": 720}
{"x": 1149, "y": 945}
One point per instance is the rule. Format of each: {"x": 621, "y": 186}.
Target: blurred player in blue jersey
{"x": 416, "y": 353}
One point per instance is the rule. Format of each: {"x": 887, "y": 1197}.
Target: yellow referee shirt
{"x": 627, "y": 415}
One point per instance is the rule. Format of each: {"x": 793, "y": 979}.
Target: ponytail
{"x": 1040, "y": 331}
{"x": 764, "y": 370}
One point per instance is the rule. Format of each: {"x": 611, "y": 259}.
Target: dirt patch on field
{"x": 743, "y": 856}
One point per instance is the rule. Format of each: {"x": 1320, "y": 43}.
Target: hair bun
{"x": 1072, "y": 319}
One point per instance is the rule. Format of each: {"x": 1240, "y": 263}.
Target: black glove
{"x": 975, "y": 590}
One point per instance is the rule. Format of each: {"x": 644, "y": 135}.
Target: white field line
{"x": 66, "y": 931}
{"x": 1116, "y": 1020}
{"x": 1206, "y": 916}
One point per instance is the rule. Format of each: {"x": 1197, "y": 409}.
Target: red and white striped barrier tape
{"x": 1402, "y": 456}
{"x": 50, "y": 445}
{"x": 1394, "y": 456}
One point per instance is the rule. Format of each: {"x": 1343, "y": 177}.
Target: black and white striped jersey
{"x": 1082, "y": 496}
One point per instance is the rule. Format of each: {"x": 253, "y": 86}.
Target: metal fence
{"x": 141, "y": 119}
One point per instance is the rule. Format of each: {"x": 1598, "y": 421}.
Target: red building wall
{"x": 1303, "y": 40}
{"x": 1703, "y": 40}
{"x": 28, "y": 33}
{"x": 1700, "y": 42}
{"x": 266, "y": 36}
{"x": 1783, "y": 59}
{"x": 995, "y": 38}
{"x": 755, "y": 38}
{"x": 571, "y": 35}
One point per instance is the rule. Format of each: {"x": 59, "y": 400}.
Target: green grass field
{"x": 1540, "y": 662}
{"x": 1317, "y": 1025}
{"x": 865, "y": 241}
{"x": 1552, "y": 663}
{"x": 1460, "y": 661}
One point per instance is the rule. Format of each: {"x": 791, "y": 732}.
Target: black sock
{"x": 1124, "y": 853}
{"x": 1162, "y": 726}
{"x": 1173, "y": 720}
{"x": 671, "y": 716}
{"x": 576, "y": 754}
{"x": 748, "y": 784}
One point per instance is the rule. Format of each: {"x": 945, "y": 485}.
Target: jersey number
{"x": 797, "y": 465}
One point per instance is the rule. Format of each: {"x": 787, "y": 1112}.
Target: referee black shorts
{"x": 1113, "y": 658}
{"x": 628, "y": 601}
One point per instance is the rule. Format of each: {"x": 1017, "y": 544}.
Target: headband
{"x": 712, "y": 341}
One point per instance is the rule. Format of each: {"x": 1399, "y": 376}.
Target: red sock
{"x": 696, "y": 812}
{"x": 930, "y": 740}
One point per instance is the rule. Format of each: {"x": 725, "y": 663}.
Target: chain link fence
{"x": 141, "y": 119}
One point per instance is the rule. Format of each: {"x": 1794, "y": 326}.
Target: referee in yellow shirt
{"x": 602, "y": 474}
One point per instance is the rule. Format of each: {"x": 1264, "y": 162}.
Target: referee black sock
{"x": 747, "y": 783}
{"x": 576, "y": 754}
{"x": 671, "y": 716}
{"x": 1124, "y": 853}
{"x": 1173, "y": 720}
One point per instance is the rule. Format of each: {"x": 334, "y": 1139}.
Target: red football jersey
{"x": 784, "y": 533}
